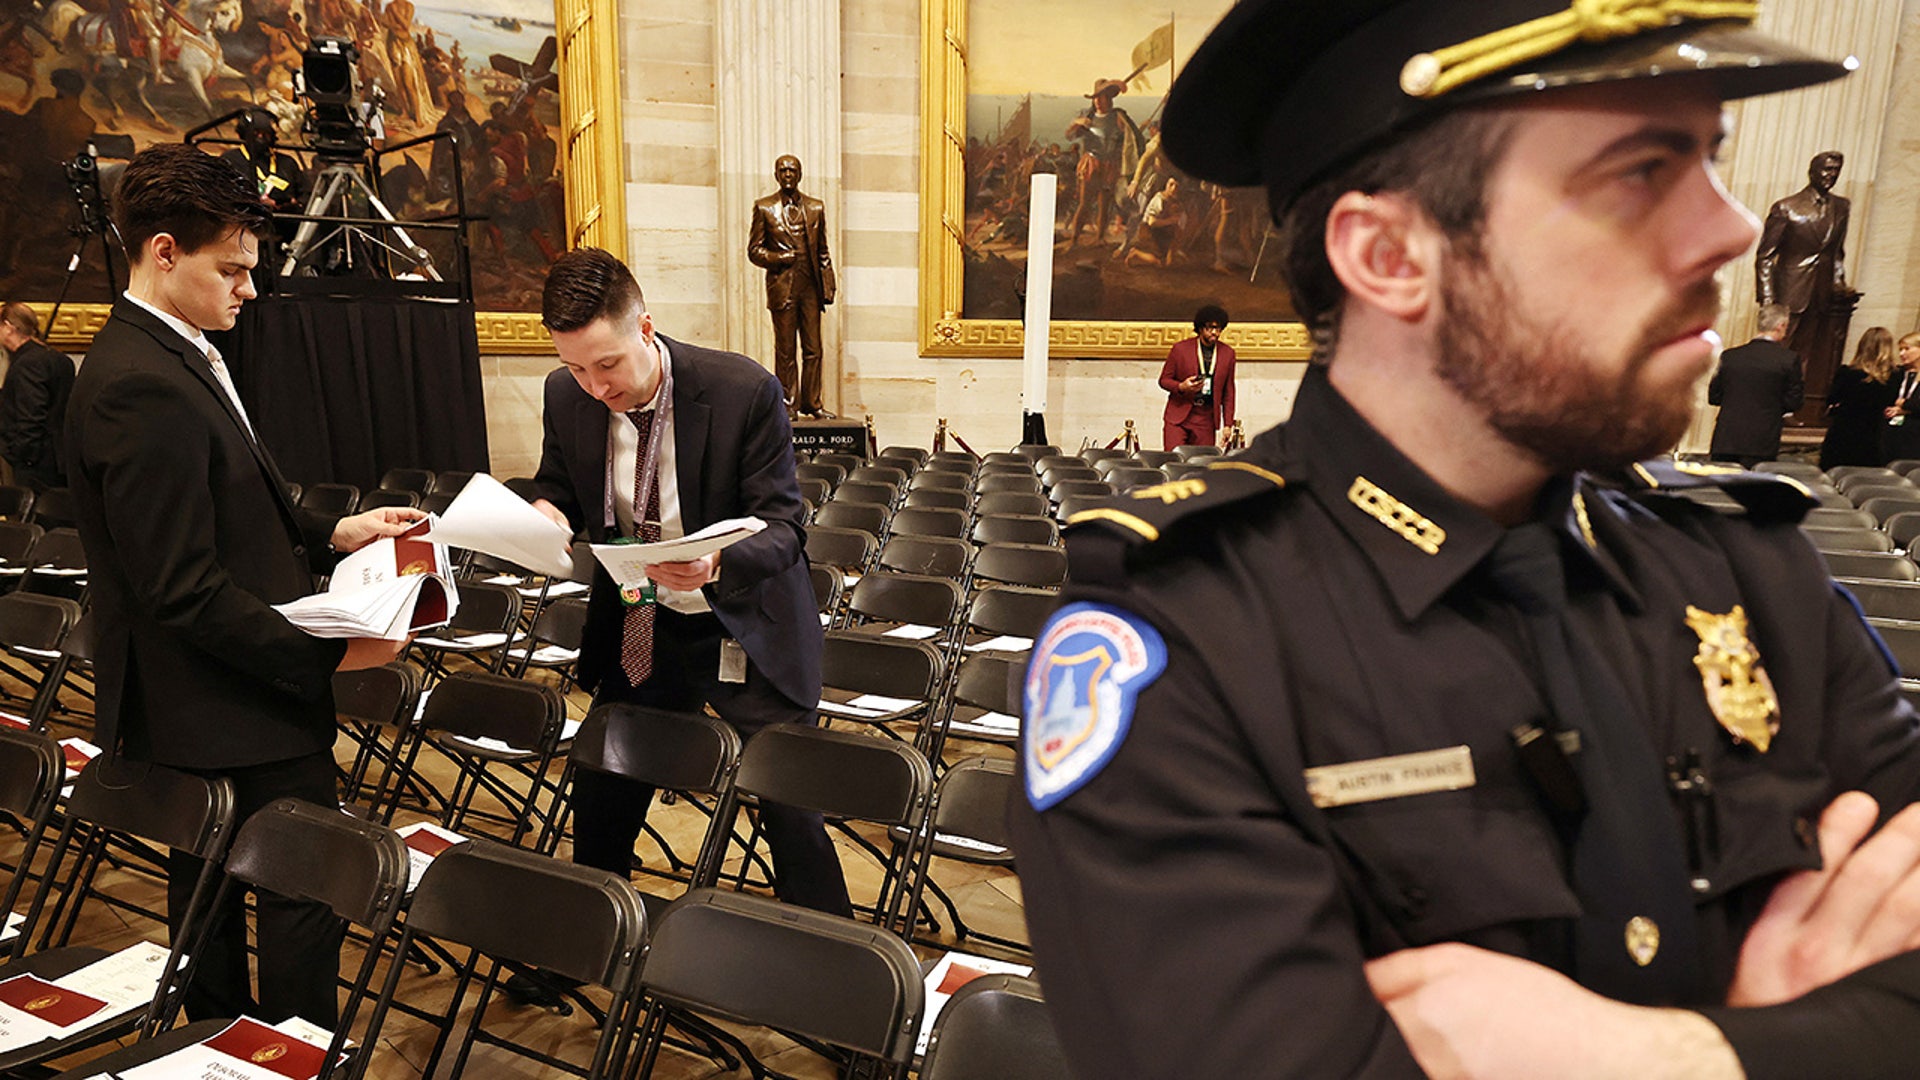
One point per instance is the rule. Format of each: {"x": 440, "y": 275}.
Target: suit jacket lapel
{"x": 590, "y": 420}
{"x": 691, "y": 420}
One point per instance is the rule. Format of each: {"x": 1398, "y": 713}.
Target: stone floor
{"x": 989, "y": 898}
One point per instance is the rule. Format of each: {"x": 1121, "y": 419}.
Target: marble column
{"x": 777, "y": 91}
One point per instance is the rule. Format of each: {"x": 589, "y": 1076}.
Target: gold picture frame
{"x": 592, "y": 168}
{"x": 943, "y": 331}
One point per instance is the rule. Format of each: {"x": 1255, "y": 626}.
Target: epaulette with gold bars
{"x": 1766, "y": 497}
{"x": 1143, "y": 515}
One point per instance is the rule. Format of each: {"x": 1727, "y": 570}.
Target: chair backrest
{"x": 1033, "y": 565}
{"x": 990, "y": 467}
{"x": 1886, "y": 599}
{"x": 561, "y": 622}
{"x": 814, "y": 490}
{"x": 32, "y": 621}
{"x": 1796, "y": 469}
{"x": 987, "y": 681}
{"x": 866, "y": 491}
{"x": 1180, "y": 470}
{"x": 478, "y": 705}
{"x": 890, "y": 667}
{"x": 1068, "y": 488}
{"x": 1903, "y": 640}
{"x": 1901, "y": 528}
{"x": 1884, "y": 508}
{"x": 880, "y": 474}
{"x": 995, "y": 1027}
{"x": 915, "y": 454}
{"x": 951, "y": 461}
{"x": 340, "y": 499}
{"x": 53, "y": 508}
{"x": 486, "y": 608}
{"x": 678, "y": 751}
{"x": 1075, "y": 504}
{"x": 849, "y": 549}
{"x": 936, "y": 556}
{"x": 1058, "y": 461}
{"x": 1008, "y": 487}
{"x": 1006, "y": 457}
{"x": 374, "y": 500}
{"x": 1135, "y": 476}
{"x": 1826, "y": 518}
{"x": 907, "y": 598}
{"x": 846, "y": 461}
{"x": 17, "y": 539}
{"x": 753, "y": 959}
{"x": 436, "y": 502}
{"x": 59, "y": 548}
{"x": 1842, "y": 475}
{"x": 1862, "y": 493}
{"x": 417, "y": 481}
{"x": 1154, "y": 459}
{"x": 1869, "y": 564}
{"x": 451, "y": 482}
{"x": 939, "y": 478}
{"x": 1056, "y": 475}
{"x": 157, "y": 804}
{"x": 1036, "y": 451}
{"x": 1003, "y": 609}
{"x": 1095, "y": 454}
{"x": 32, "y": 771}
{"x": 16, "y": 502}
{"x": 971, "y": 801}
{"x": 828, "y": 583}
{"x": 1855, "y": 539}
{"x": 1030, "y": 526}
{"x": 944, "y": 498}
{"x": 870, "y": 518}
{"x": 929, "y": 521}
{"x": 1188, "y": 453}
{"x": 831, "y": 475}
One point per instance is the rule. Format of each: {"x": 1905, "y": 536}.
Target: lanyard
{"x": 649, "y": 454}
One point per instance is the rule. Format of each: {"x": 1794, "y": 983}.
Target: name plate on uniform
{"x": 839, "y": 436}
{"x": 1390, "y": 777}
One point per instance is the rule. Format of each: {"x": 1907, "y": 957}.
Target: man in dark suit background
{"x": 33, "y": 401}
{"x": 704, "y": 433}
{"x": 1756, "y": 386}
{"x": 788, "y": 239}
{"x": 1198, "y": 379}
{"x": 190, "y": 539}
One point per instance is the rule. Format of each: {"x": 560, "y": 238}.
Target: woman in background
{"x": 1857, "y": 402}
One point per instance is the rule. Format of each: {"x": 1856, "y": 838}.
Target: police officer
{"x": 1512, "y": 759}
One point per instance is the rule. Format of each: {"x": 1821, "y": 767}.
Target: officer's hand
{"x": 1467, "y": 1012}
{"x": 1861, "y": 907}
{"x": 685, "y": 576}
{"x": 356, "y": 532}
{"x": 371, "y": 652}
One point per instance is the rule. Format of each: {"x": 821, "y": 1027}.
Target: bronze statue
{"x": 789, "y": 240}
{"x": 1801, "y": 264}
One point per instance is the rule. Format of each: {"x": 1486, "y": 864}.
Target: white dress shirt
{"x": 199, "y": 341}
{"x": 626, "y": 460}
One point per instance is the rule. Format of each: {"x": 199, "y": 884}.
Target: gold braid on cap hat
{"x": 1429, "y": 75}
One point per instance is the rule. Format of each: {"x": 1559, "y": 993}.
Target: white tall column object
{"x": 777, "y": 73}
{"x": 1039, "y": 314}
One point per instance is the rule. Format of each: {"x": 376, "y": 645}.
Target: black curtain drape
{"x": 343, "y": 389}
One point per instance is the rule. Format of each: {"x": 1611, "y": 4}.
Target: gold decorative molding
{"x": 594, "y": 171}
{"x": 78, "y": 323}
{"x": 943, "y": 135}
{"x": 511, "y": 333}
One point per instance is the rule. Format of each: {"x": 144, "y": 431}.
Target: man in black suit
{"x": 705, "y": 434}
{"x": 1756, "y": 386}
{"x": 33, "y": 401}
{"x": 190, "y": 539}
{"x": 788, "y": 239}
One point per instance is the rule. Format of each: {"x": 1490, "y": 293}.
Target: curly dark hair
{"x": 186, "y": 193}
{"x": 587, "y": 285}
{"x": 1210, "y": 315}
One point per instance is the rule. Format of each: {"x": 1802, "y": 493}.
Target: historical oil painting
{"x": 1134, "y": 238}
{"x": 131, "y": 73}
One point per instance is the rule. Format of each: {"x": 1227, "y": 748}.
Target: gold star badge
{"x": 1738, "y": 690}
{"x": 1643, "y": 939}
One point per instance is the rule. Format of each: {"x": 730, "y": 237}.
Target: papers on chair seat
{"x": 243, "y": 1050}
{"x": 504, "y": 579}
{"x": 953, "y": 971}
{"x": 883, "y": 702}
{"x": 488, "y": 518}
{"x": 491, "y": 639}
{"x": 28, "y": 650}
{"x": 987, "y": 723}
{"x": 911, "y": 631}
{"x": 389, "y": 589}
{"x": 33, "y": 1009}
{"x": 568, "y": 729}
{"x": 14, "y": 921}
{"x": 555, "y": 590}
{"x": 841, "y": 708}
{"x": 627, "y": 563}
{"x": 554, "y": 655}
{"x": 1003, "y": 643}
{"x": 60, "y": 571}
{"x": 968, "y": 842}
{"x": 78, "y": 753}
{"x": 425, "y": 841}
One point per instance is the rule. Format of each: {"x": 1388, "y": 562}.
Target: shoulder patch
{"x": 1767, "y": 497}
{"x": 1142, "y": 514}
{"x": 1089, "y": 665}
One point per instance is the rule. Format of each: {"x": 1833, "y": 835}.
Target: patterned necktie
{"x": 1636, "y": 939}
{"x": 636, "y": 641}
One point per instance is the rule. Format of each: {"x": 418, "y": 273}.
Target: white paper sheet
{"x": 627, "y": 563}
{"x": 953, "y": 971}
{"x": 488, "y": 518}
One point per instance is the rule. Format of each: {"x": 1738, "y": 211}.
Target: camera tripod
{"x": 331, "y": 204}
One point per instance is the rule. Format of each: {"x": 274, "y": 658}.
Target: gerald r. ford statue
{"x": 789, "y": 240}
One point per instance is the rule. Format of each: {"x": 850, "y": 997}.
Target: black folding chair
{"x": 57, "y": 566}
{"x": 904, "y": 677}
{"x": 520, "y": 906}
{"x": 33, "y": 629}
{"x": 915, "y": 454}
{"x": 929, "y": 521}
{"x": 936, "y": 556}
{"x": 53, "y": 509}
{"x": 481, "y": 631}
{"x": 1869, "y": 564}
{"x": 417, "y": 481}
{"x": 313, "y": 853}
{"x": 123, "y": 803}
{"x": 373, "y": 500}
{"x": 376, "y": 707}
{"x": 938, "y": 498}
{"x": 16, "y": 502}
{"x": 1032, "y": 565}
{"x": 1886, "y": 599}
{"x": 32, "y": 771}
{"x": 831, "y": 475}
{"x": 1010, "y": 502}
{"x": 451, "y": 481}
{"x": 849, "y": 550}
{"x": 970, "y": 826}
{"x": 1016, "y": 528}
{"x": 483, "y": 721}
{"x": 750, "y": 959}
{"x": 869, "y": 518}
{"x": 336, "y": 499}
{"x": 995, "y": 1027}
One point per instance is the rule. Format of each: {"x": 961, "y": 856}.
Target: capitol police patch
{"x": 1089, "y": 664}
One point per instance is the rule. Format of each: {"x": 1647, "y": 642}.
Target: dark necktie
{"x": 1636, "y": 939}
{"x": 636, "y": 640}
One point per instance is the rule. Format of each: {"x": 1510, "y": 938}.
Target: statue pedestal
{"x": 841, "y": 436}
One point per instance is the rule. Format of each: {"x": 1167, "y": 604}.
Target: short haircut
{"x": 587, "y": 285}
{"x": 191, "y": 196}
{"x": 1772, "y": 317}
{"x": 1443, "y": 165}
{"x": 21, "y": 318}
{"x": 1209, "y": 315}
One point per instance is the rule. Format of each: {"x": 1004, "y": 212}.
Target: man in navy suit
{"x": 704, "y": 435}
{"x": 190, "y": 540}
{"x": 1756, "y": 386}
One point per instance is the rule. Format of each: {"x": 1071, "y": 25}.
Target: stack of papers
{"x": 425, "y": 842}
{"x": 391, "y": 589}
{"x": 488, "y": 518}
{"x": 33, "y": 1010}
{"x": 955, "y": 970}
{"x": 627, "y": 563}
{"x": 246, "y": 1049}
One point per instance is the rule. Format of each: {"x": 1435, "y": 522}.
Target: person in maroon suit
{"x": 1198, "y": 379}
